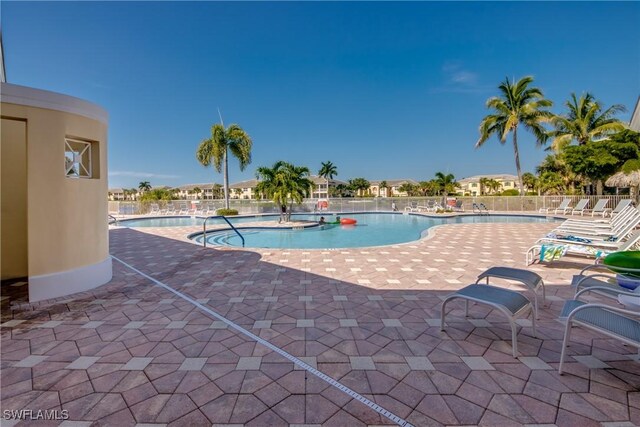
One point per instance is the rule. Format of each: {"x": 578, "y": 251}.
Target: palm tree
{"x": 215, "y": 150}
{"x": 284, "y": 183}
{"x": 144, "y": 186}
{"x": 445, "y": 183}
{"x": 493, "y": 185}
{"x": 327, "y": 171}
{"x": 360, "y": 186}
{"x": 530, "y": 182}
{"x": 483, "y": 184}
{"x": 197, "y": 191}
{"x": 585, "y": 121}
{"x": 383, "y": 184}
{"x": 518, "y": 104}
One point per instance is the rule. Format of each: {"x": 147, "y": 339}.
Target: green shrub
{"x": 227, "y": 212}
{"x": 510, "y": 192}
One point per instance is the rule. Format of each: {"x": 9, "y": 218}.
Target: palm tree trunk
{"x": 517, "y": 155}
{"x": 226, "y": 180}
{"x": 599, "y": 187}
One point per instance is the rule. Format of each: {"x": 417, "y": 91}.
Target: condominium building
{"x": 243, "y": 189}
{"x": 320, "y": 189}
{"x": 207, "y": 191}
{"x": 117, "y": 194}
{"x": 392, "y": 188}
{"x": 471, "y": 186}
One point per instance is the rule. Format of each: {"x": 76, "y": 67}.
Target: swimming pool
{"x": 372, "y": 229}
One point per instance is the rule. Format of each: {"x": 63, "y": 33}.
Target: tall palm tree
{"x": 518, "y": 104}
{"x": 530, "y": 182}
{"x": 384, "y": 185}
{"x": 328, "y": 170}
{"x": 482, "y": 183}
{"x": 493, "y": 185}
{"x": 445, "y": 183}
{"x": 284, "y": 183}
{"x": 144, "y": 186}
{"x": 585, "y": 121}
{"x": 215, "y": 150}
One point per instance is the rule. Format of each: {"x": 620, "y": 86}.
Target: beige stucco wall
{"x": 66, "y": 217}
{"x": 13, "y": 204}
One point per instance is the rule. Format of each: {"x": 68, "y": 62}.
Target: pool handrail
{"x": 115, "y": 220}
{"x": 204, "y": 229}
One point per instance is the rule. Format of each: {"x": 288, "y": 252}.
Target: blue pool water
{"x": 371, "y": 230}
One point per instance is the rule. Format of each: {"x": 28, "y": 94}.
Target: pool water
{"x": 371, "y": 230}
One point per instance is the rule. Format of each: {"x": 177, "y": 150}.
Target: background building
{"x": 493, "y": 184}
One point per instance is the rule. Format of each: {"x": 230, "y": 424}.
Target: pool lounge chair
{"x": 184, "y": 209}
{"x": 600, "y": 223}
{"x": 563, "y": 208}
{"x": 155, "y": 209}
{"x": 599, "y": 208}
{"x": 594, "y": 248}
{"x": 459, "y": 206}
{"x": 431, "y": 206}
{"x": 580, "y": 207}
{"x": 413, "y": 207}
{"x": 614, "y": 322}
{"x": 600, "y": 228}
{"x": 596, "y": 234}
{"x": 620, "y": 207}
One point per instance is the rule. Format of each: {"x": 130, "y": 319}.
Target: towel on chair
{"x": 552, "y": 252}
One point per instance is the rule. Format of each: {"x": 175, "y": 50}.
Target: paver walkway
{"x": 133, "y": 353}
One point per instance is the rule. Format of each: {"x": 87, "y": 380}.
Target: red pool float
{"x": 348, "y": 221}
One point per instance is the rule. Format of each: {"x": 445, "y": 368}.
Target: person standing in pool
{"x": 321, "y": 222}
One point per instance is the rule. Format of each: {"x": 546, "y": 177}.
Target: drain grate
{"x": 355, "y": 395}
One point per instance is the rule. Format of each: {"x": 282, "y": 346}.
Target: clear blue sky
{"x": 383, "y": 90}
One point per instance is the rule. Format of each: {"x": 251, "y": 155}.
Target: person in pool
{"x": 321, "y": 222}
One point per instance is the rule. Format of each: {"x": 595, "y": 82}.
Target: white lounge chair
{"x": 184, "y": 209}
{"x": 614, "y": 232}
{"x": 563, "y": 207}
{"x": 621, "y": 206}
{"x": 580, "y": 207}
{"x": 154, "y": 209}
{"x": 593, "y": 248}
{"x": 599, "y": 208}
{"x": 413, "y": 207}
{"x": 600, "y": 223}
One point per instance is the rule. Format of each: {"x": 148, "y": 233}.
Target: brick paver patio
{"x": 131, "y": 352}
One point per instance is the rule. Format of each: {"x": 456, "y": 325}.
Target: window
{"x": 77, "y": 158}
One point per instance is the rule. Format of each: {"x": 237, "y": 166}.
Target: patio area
{"x": 133, "y": 352}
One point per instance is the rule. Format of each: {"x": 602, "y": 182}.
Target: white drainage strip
{"x": 379, "y": 409}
